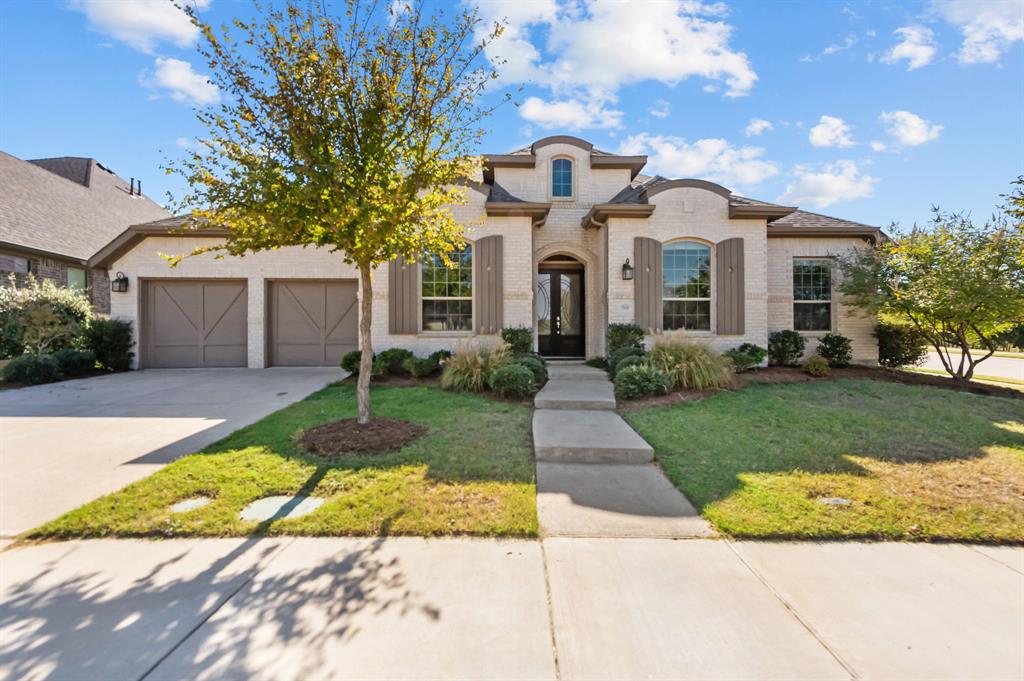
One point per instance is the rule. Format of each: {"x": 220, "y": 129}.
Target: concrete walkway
{"x": 560, "y": 608}
{"x": 64, "y": 444}
{"x": 595, "y": 476}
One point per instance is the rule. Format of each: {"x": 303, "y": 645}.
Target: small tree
{"x": 958, "y": 284}
{"x": 350, "y": 131}
{"x": 44, "y": 327}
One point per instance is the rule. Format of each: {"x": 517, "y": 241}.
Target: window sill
{"x": 815, "y": 334}
{"x": 446, "y": 334}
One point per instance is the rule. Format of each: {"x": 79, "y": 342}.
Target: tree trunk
{"x": 365, "y": 343}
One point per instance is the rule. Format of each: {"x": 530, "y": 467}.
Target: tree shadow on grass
{"x": 77, "y": 617}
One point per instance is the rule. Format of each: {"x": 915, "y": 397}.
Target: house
{"x": 561, "y": 237}
{"x": 57, "y": 212}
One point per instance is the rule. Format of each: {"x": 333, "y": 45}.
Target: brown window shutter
{"x": 403, "y": 296}
{"x": 647, "y": 284}
{"x": 488, "y": 273}
{"x": 729, "y": 306}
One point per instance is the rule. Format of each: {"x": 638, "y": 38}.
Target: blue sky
{"x": 868, "y": 111}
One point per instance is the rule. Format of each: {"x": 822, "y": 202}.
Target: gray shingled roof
{"x": 803, "y": 219}
{"x": 67, "y": 206}
{"x": 501, "y": 195}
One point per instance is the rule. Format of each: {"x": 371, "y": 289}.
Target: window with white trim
{"x": 812, "y": 294}
{"x": 561, "y": 178}
{"x": 447, "y": 292}
{"x": 686, "y": 286}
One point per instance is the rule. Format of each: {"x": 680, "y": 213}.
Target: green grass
{"x": 917, "y": 462}
{"x": 472, "y": 473}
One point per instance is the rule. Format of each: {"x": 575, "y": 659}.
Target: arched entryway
{"x": 559, "y": 306}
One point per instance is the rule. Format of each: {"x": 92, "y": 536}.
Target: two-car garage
{"x": 204, "y": 322}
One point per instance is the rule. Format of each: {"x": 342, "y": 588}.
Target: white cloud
{"x": 831, "y": 131}
{"x": 661, "y": 109}
{"x": 142, "y": 24}
{"x": 181, "y": 82}
{"x": 848, "y": 42}
{"x": 183, "y": 142}
{"x": 713, "y": 159}
{"x": 989, "y": 27}
{"x": 596, "y": 48}
{"x": 917, "y": 46}
{"x": 756, "y": 127}
{"x": 878, "y": 145}
{"x": 909, "y": 129}
{"x": 822, "y": 186}
{"x": 570, "y": 114}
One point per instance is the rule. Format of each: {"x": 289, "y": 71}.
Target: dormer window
{"x": 561, "y": 178}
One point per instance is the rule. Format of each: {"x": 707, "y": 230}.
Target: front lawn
{"x": 472, "y": 473}
{"x": 915, "y": 462}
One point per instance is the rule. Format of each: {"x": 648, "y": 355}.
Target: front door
{"x": 559, "y": 306}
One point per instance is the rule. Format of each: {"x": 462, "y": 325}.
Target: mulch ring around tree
{"x": 347, "y": 436}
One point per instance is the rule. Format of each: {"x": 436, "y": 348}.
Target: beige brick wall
{"x": 846, "y": 319}
{"x": 700, "y": 215}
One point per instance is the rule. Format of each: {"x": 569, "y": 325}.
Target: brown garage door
{"x": 312, "y": 323}
{"x": 194, "y": 324}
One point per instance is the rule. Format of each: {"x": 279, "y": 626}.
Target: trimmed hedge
{"x": 836, "y": 349}
{"x": 641, "y": 380}
{"x": 111, "y": 341}
{"x": 32, "y": 370}
{"x": 786, "y": 348}
{"x": 72, "y": 362}
{"x": 621, "y": 354}
{"x": 746, "y": 356}
{"x": 519, "y": 339}
{"x": 900, "y": 346}
{"x": 624, "y": 335}
{"x": 512, "y": 380}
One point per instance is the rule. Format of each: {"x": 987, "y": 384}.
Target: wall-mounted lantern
{"x": 627, "y": 271}
{"x": 119, "y": 284}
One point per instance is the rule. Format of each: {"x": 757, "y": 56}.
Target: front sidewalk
{"x": 477, "y": 608}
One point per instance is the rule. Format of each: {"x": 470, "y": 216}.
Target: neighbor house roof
{"x": 68, "y": 207}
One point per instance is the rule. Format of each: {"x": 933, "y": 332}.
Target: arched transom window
{"x": 561, "y": 178}
{"x": 686, "y": 286}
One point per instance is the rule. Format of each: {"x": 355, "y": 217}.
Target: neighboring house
{"x": 551, "y": 230}
{"x": 57, "y": 212}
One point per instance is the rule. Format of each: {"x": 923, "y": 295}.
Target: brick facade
{"x": 687, "y": 212}
{"x": 96, "y": 281}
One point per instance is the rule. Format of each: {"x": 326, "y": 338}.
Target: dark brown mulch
{"x": 347, "y": 436}
{"x": 797, "y": 375}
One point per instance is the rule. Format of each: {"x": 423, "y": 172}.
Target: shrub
{"x": 624, "y": 335}
{"x": 72, "y": 362}
{"x": 786, "y": 348}
{"x": 816, "y": 365}
{"x": 350, "y": 361}
{"x": 391, "y": 360}
{"x": 641, "y": 380}
{"x": 421, "y": 367}
{"x": 620, "y": 354}
{"x": 468, "y": 368}
{"x": 512, "y": 380}
{"x": 900, "y": 346}
{"x": 746, "y": 356}
{"x": 536, "y": 367}
{"x": 836, "y": 349}
{"x": 32, "y": 369}
{"x": 70, "y": 306}
{"x": 631, "y": 361}
{"x": 111, "y": 340}
{"x": 688, "y": 364}
{"x": 519, "y": 339}
{"x": 597, "y": 363}
{"x": 440, "y": 356}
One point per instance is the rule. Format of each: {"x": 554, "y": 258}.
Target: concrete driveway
{"x": 64, "y": 444}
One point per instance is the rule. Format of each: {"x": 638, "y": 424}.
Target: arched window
{"x": 561, "y": 178}
{"x": 448, "y": 292}
{"x": 686, "y": 286}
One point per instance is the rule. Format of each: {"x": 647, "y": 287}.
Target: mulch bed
{"x": 797, "y": 375}
{"x": 347, "y": 436}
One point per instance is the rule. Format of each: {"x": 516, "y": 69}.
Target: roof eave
{"x": 537, "y": 212}
{"x": 869, "y": 233}
{"x": 599, "y": 214}
{"x": 28, "y": 250}
{"x": 760, "y": 212}
{"x": 634, "y": 163}
{"x": 131, "y": 237}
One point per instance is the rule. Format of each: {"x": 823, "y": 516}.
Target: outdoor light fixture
{"x": 119, "y": 284}
{"x": 627, "y": 271}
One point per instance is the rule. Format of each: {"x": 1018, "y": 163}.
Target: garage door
{"x": 312, "y": 323}
{"x": 194, "y": 324}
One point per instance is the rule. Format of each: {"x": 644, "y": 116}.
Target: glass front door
{"x": 559, "y": 308}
